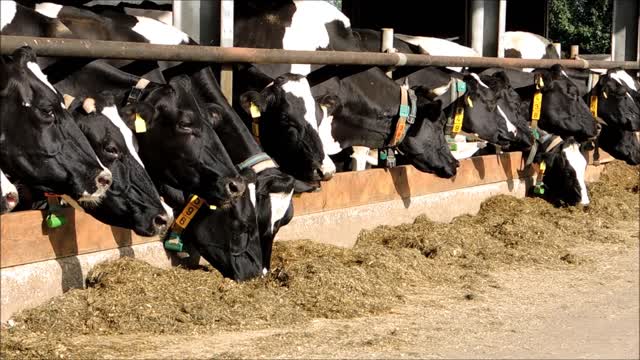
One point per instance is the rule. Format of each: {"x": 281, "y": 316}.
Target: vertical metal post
{"x": 186, "y": 17}
{"x": 575, "y": 51}
{"x": 477, "y": 25}
{"x": 624, "y": 32}
{"x": 226, "y": 40}
{"x": 558, "y": 47}
{"x": 502, "y": 21}
{"x": 387, "y": 44}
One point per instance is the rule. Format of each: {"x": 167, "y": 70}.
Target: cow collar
{"x": 406, "y": 117}
{"x": 258, "y": 163}
{"x": 137, "y": 90}
{"x": 174, "y": 240}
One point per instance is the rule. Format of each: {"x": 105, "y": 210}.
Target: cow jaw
{"x": 579, "y": 164}
{"x": 103, "y": 182}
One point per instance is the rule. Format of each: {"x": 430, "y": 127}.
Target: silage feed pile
{"x": 311, "y": 280}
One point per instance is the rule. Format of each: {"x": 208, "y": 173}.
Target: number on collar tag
{"x": 537, "y": 106}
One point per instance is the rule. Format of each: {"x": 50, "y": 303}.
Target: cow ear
{"x": 502, "y": 76}
{"x": 252, "y": 97}
{"x": 24, "y": 55}
{"x": 331, "y": 102}
{"x": 142, "y": 111}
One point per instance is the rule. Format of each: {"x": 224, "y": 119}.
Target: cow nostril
{"x": 235, "y": 188}
{"x": 104, "y": 180}
{"x": 160, "y": 220}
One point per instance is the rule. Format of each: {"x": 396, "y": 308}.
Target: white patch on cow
{"x": 530, "y": 45}
{"x": 8, "y": 11}
{"x": 439, "y": 47}
{"x": 329, "y": 144}
{"x": 361, "y": 156}
{"x": 49, "y": 9}
{"x": 441, "y": 89}
{"x": 160, "y": 15}
{"x": 252, "y": 193}
{"x": 622, "y": 76}
{"x": 308, "y": 31}
{"x": 111, "y": 112}
{"x": 158, "y": 32}
{"x": 35, "y": 69}
{"x": 169, "y": 211}
{"x": 579, "y": 164}
{"x": 510, "y": 127}
{"x": 301, "y": 89}
{"x": 475, "y": 76}
{"x": 8, "y": 189}
{"x": 564, "y": 73}
{"x": 280, "y": 203}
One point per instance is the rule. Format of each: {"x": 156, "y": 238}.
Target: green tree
{"x": 582, "y": 22}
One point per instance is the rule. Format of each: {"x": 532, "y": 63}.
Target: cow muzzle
{"x": 9, "y": 202}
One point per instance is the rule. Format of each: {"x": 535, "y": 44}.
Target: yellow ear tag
{"x": 457, "y": 120}
{"x": 537, "y": 106}
{"x": 139, "y": 124}
{"x": 543, "y": 167}
{"x": 469, "y": 101}
{"x": 212, "y": 207}
{"x": 593, "y": 106}
{"x": 604, "y": 93}
{"x": 255, "y": 112}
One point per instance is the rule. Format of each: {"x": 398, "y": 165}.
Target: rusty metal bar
{"x": 139, "y": 51}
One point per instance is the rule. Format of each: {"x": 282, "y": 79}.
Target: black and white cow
{"x": 287, "y": 121}
{"x": 563, "y": 110}
{"x": 365, "y": 108}
{"x": 9, "y": 192}
{"x": 617, "y": 104}
{"x": 621, "y": 144}
{"x": 42, "y": 145}
{"x": 526, "y": 45}
{"x": 564, "y": 177}
{"x": 132, "y": 201}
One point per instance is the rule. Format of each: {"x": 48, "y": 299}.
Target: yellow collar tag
{"x": 187, "y": 214}
{"x": 537, "y": 106}
{"x": 457, "y": 120}
{"x": 593, "y": 105}
{"x": 139, "y": 124}
{"x": 254, "y": 110}
{"x": 543, "y": 167}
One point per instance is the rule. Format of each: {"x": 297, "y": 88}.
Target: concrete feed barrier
{"x": 38, "y": 263}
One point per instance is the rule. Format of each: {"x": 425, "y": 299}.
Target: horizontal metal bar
{"x": 140, "y": 51}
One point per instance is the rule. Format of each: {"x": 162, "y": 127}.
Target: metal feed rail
{"x": 214, "y": 54}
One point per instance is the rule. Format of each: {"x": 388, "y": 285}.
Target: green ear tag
{"x": 54, "y": 221}
{"x": 174, "y": 243}
{"x": 461, "y": 86}
{"x": 139, "y": 124}
{"x": 453, "y": 147}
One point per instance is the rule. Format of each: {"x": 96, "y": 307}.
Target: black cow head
{"x": 425, "y": 146}
{"x": 621, "y": 144}
{"x": 563, "y": 111}
{"x": 132, "y": 201}
{"x": 42, "y": 146}
{"x": 564, "y": 178}
{"x": 616, "y": 104}
{"x": 228, "y": 237}
{"x": 482, "y": 114}
{"x": 288, "y": 127}
{"x": 179, "y": 147}
{"x": 9, "y": 194}
{"x": 512, "y": 119}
